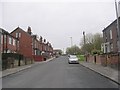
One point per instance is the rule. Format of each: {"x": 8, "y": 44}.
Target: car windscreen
{"x": 73, "y": 57}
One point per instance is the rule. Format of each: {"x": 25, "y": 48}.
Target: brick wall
{"x": 110, "y": 60}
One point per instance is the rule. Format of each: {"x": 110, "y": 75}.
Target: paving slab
{"x": 107, "y": 72}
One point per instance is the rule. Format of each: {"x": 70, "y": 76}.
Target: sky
{"x": 58, "y": 20}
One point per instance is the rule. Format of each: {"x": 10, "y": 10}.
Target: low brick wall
{"x": 111, "y": 60}
{"x": 90, "y": 59}
{"x": 38, "y": 58}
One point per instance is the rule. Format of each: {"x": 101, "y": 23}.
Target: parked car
{"x": 73, "y": 59}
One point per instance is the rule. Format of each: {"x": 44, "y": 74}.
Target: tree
{"x": 73, "y": 50}
{"x": 92, "y": 43}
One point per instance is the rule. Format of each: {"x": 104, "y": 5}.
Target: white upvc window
{"x": 9, "y": 51}
{"x": 5, "y": 37}
{"x": 10, "y": 40}
{"x": 18, "y": 35}
{"x": 14, "y": 42}
{"x": 35, "y": 52}
{"x": 111, "y": 34}
{"x": 111, "y": 47}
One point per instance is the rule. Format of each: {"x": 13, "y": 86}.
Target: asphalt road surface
{"x": 57, "y": 74}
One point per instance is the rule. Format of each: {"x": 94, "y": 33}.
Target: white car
{"x": 73, "y": 59}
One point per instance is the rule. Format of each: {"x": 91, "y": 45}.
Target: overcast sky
{"x": 58, "y": 20}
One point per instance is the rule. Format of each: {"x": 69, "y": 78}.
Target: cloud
{"x": 58, "y": 21}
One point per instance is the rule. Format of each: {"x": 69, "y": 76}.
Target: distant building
{"x": 111, "y": 38}
{"x": 57, "y": 51}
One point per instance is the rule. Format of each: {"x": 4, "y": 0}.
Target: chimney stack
{"x": 29, "y": 30}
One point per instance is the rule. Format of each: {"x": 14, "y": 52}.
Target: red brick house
{"x": 32, "y": 46}
{"x": 9, "y": 49}
{"x": 9, "y": 43}
{"x": 37, "y": 48}
{"x": 25, "y": 41}
{"x": 111, "y": 38}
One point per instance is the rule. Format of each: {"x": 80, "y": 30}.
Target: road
{"x": 57, "y": 74}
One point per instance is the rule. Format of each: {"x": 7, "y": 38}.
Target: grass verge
{"x": 81, "y": 57}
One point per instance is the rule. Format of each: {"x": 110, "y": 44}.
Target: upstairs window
{"x": 111, "y": 46}
{"x": 111, "y": 34}
{"x": 5, "y": 38}
{"x": 18, "y": 35}
{"x": 10, "y": 40}
{"x": 14, "y": 42}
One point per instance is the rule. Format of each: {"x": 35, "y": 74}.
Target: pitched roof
{"x": 4, "y": 31}
{"x": 111, "y": 24}
{"x": 18, "y": 28}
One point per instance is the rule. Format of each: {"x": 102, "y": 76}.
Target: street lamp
{"x": 71, "y": 41}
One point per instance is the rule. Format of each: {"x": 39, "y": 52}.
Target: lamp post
{"x": 71, "y": 41}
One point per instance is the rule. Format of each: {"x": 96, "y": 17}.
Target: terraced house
{"x": 31, "y": 46}
{"x": 10, "y": 44}
{"x": 23, "y": 47}
{"x": 111, "y": 38}
{"x": 9, "y": 49}
{"x": 25, "y": 42}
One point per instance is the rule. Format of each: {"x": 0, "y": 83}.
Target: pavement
{"x": 107, "y": 72}
{"x": 21, "y": 68}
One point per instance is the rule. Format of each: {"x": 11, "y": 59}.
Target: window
{"x": 110, "y": 34}
{"x": 118, "y": 46}
{"x": 14, "y": 42}
{"x": 111, "y": 47}
{"x": 5, "y": 37}
{"x": 18, "y": 35}
{"x": 10, "y": 40}
{"x": 1, "y": 39}
{"x": 9, "y": 51}
{"x": 35, "y": 52}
